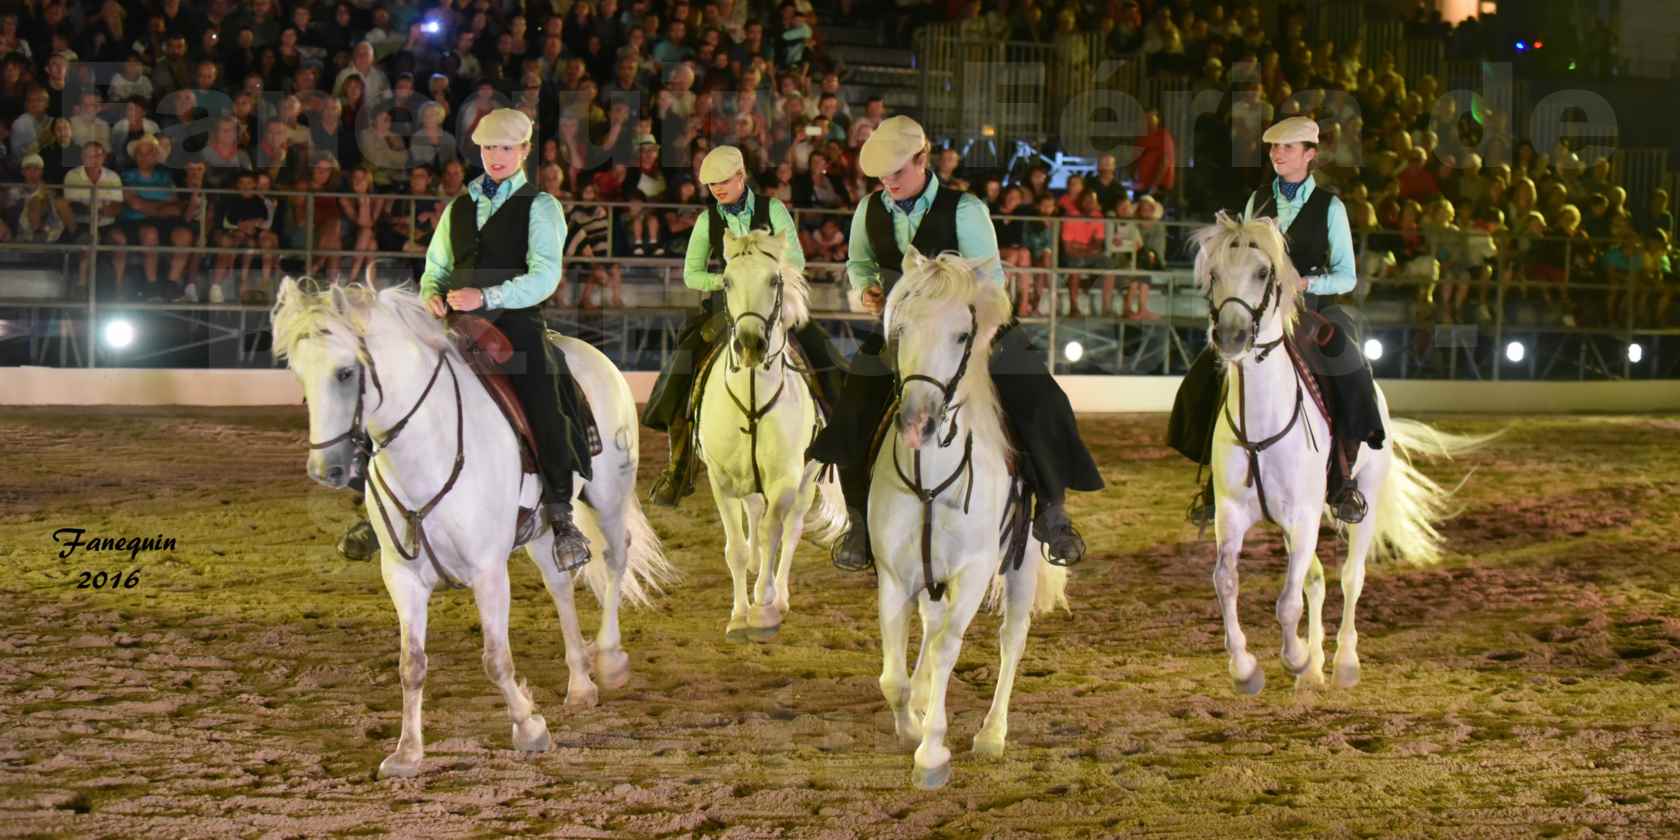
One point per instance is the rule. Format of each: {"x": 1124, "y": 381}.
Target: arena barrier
{"x": 44, "y": 386}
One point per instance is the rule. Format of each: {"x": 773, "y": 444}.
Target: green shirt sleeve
{"x": 695, "y": 275}
{"x": 861, "y": 267}
{"x": 782, "y": 220}
{"x": 440, "y": 256}
{"x": 976, "y": 238}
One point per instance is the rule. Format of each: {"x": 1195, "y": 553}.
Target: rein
{"x": 947, "y": 414}
{"x": 415, "y": 519}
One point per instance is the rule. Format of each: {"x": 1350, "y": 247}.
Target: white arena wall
{"x": 41, "y": 386}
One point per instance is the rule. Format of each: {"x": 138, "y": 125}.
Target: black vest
{"x": 936, "y": 234}
{"x": 760, "y": 221}
{"x": 1308, "y": 234}
{"x": 495, "y": 253}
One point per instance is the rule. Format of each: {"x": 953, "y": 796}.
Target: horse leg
{"x": 895, "y": 606}
{"x": 1230, "y": 527}
{"x": 1346, "y": 672}
{"x": 795, "y": 529}
{"x": 735, "y": 548}
{"x": 1020, "y": 587}
{"x": 765, "y": 616}
{"x": 490, "y": 592}
{"x": 409, "y": 596}
{"x": 951, "y": 616}
{"x": 1313, "y": 677}
{"x": 580, "y": 689}
{"x": 1301, "y": 537}
{"x": 612, "y": 664}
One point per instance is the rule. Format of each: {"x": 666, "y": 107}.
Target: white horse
{"x": 941, "y": 488}
{"x": 1254, "y": 290}
{"x": 756, "y": 420}
{"x": 442, "y": 447}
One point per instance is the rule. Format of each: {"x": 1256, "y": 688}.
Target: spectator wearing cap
{"x": 41, "y": 213}
{"x": 149, "y": 200}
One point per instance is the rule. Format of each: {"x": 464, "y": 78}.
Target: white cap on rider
{"x": 503, "y": 127}
{"x": 895, "y": 142}
{"x": 721, "y": 164}
{"x": 1292, "y": 130}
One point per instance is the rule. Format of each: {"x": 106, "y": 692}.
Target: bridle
{"x": 947, "y": 412}
{"x": 362, "y": 438}
{"x": 749, "y": 407}
{"x": 1271, "y": 299}
{"x": 770, "y": 321}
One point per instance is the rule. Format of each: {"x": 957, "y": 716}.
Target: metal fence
{"x": 1512, "y": 325}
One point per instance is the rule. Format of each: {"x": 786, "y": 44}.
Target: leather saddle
{"x": 487, "y": 350}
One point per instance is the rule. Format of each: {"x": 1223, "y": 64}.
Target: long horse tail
{"x": 826, "y": 520}
{"x": 648, "y": 571}
{"x": 1411, "y": 505}
{"x": 1050, "y": 593}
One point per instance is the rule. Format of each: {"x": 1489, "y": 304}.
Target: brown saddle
{"x": 486, "y": 350}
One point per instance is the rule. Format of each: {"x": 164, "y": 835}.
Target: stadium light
{"x": 431, "y": 27}
{"x": 119, "y": 334}
{"x": 1636, "y": 353}
{"x": 1515, "y": 352}
{"x": 1373, "y": 349}
{"x": 1522, "y": 46}
{"x": 1074, "y": 351}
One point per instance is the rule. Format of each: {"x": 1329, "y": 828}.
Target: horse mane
{"x": 768, "y": 246}
{"x": 343, "y": 314}
{"x": 1222, "y": 247}
{"x": 929, "y": 283}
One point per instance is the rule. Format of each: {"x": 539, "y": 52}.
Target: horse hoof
{"x": 988, "y": 747}
{"x": 931, "y": 778}
{"x": 1251, "y": 686}
{"x": 613, "y": 667}
{"x": 1347, "y": 676}
{"x": 763, "y": 634}
{"x": 398, "y": 766}
{"x": 532, "y": 735}
{"x": 585, "y": 696}
{"x": 736, "y": 632}
{"x": 1297, "y": 667}
{"x": 1312, "y": 678}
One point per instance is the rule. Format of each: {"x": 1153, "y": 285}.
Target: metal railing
{"x": 1399, "y": 305}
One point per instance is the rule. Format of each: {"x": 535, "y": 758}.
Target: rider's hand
{"x": 466, "y": 300}
{"x": 874, "y": 300}
{"x": 1303, "y": 284}
{"x": 437, "y": 307}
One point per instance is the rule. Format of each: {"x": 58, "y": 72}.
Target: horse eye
{"x": 962, "y": 338}
{"x": 345, "y": 373}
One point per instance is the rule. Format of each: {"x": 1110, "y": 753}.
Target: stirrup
{"x": 668, "y": 491}
{"x": 1063, "y": 545}
{"x": 571, "y": 547}
{"x": 1349, "y": 505}
{"x": 852, "y": 559}
{"x": 360, "y": 542}
{"x": 1201, "y": 510}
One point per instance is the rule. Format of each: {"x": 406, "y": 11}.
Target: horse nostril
{"x": 335, "y": 473}
{"x": 928, "y": 427}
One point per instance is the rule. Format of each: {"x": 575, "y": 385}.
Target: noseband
{"x": 948, "y": 388}
{"x": 1270, "y": 300}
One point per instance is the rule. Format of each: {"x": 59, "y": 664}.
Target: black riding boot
{"x": 851, "y": 552}
{"x": 360, "y": 543}
{"x": 1346, "y": 501}
{"x": 571, "y": 548}
{"x": 677, "y": 481}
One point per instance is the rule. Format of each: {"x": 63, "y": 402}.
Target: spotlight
{"x": 1522, "y": 46}
{"x": 1074, "y": 351}
{"x": 1539, "y": 45}
{"x": 1636, "y": 353}
{"x": 119, "y": 334}
{"x": 431, "y": 27}
{"x": 1373, "y": 349}
{"x": 1515, "y": 352}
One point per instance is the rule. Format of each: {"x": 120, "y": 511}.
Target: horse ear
{"x": 288, "y": 287}
{"x": 981, "y": 264}
{"x": 340, "y": 299}
{"x": 729, "y": 240}
{"x": 913, "y": 259}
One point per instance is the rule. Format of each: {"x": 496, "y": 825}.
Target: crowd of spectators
{"x": 187, "y": 127}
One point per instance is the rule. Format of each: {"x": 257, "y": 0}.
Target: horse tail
{"x": 1412, "y": 504}
{"x": 647, "y": 571}
{"x": 826, "y": 520}
{"x": 1050, "y": 593}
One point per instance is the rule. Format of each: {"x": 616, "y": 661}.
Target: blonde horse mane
{"x": 768, "y": 246}
{"x": 929, "y": 283}
{"x": 1222, "y": 247}
{"x": 344, "y": 314}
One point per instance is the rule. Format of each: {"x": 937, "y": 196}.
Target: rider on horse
{"x": 1321, "y": 247}
{"x": 913, "y": 208}
{"x": 496, "y": 252}
{"x": 740, "y": 211}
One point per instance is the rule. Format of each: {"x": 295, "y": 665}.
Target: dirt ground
{"x": 247, "y": 686}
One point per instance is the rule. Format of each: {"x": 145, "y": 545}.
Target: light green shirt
{"x": 976, "y": 238}
{"x": 542, "y": 252}
{"x": 695, "y": 273}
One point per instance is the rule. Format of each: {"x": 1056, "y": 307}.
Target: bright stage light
{"x": 119, "y": 334}
{"x": 1515, "y": 352}
{"x": 1636, "y": 353}
{"x": 1074, "y": 351}
{"x": 1373, "y": 349}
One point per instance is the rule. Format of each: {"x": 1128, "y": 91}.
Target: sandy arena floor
{"x": 247, "y": 685}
